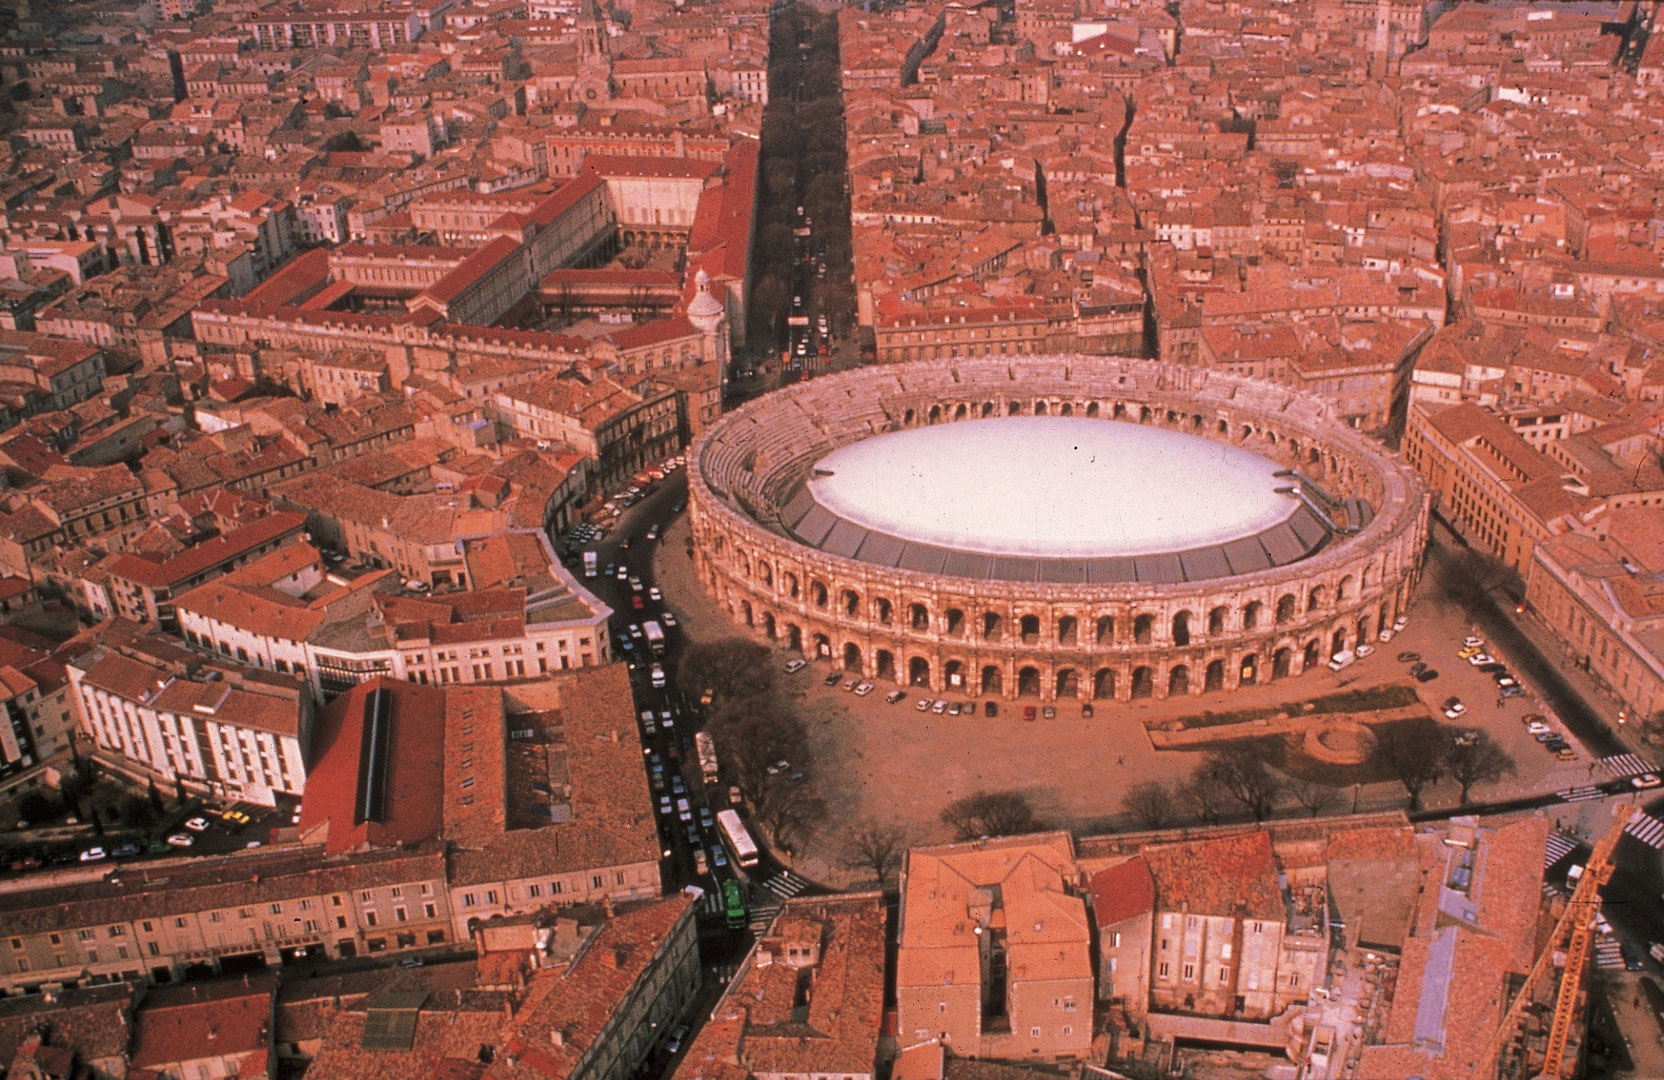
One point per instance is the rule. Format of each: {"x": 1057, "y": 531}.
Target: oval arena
{"x": 1054, "y": 528}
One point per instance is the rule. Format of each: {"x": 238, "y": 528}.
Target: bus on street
{"x": 740, "y": 845}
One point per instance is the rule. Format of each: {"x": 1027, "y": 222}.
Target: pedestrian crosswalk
{"x": 1558, "y": 847}
{"x": 1620, "y": 765}
{"x": 762, "y": 914}
{"x": 1646, "y": 828}
{"x": 712, "y": 904}
{"x": 785, "y": 884}
{"x": 1609, "y": 955}
{"x": 1580, "y": 794}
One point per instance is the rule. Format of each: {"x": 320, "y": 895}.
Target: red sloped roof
{"x": 1122, "y": 891}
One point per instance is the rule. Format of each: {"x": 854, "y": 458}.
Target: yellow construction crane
{"x": 1575, "y": 933}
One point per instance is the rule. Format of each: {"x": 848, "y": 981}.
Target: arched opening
{"x": 882, "y": 611}
{"x": 817, "y": 594}
{"x": 1286, "y": 605}
{"x": 768, "y": 574}
{"x": 1337, "y": 643}
{"x": 1250, "y": 671}
{"x": 993, "y": 681}
{"x": 768, "y": 625}
{"x": 1343, "y": 591}
{"x": 1103, "y": 684}
{"x": 823, "y": 645}
{"x": 1028, "y": 682}
{"x": 918, "y": 671}
{"x": 1143, "y": 629}
{"x": 987, "y": 408}
{"x": 1143, "y": 679}
{"x": 918, "y": 617}
{"x": 794, "y": 637}
{"x": 1363, "y": 629}
{"x": 851, "y": 602}
{"x": 1178, "y": 680}
{"x": 745, "y": 612}
{"x": 907, "y": 417}
{"x": 1092, "y": 408}
{"x": 935, "y": 414}
{"x": 1120, "y": 412}
{"x": 885, "y": 664}
{"x": 1068, "y": 683}
{"x": 1039, "y": 408}
{"x": 1181, "y": 628}
{"x": 1314, "y": 599}
{"x": 1215, "y": 677}
{"x": 1281, "y": 663}
{"x": 1251, "y": 614}
{"x": 955, "y": 620}
{"x": 1310, "y": 658}
{"x": 1030, "y": 625}
{"x": 1105, "y": 630}
{"x": 1068, "y": 630}
{"x": 1143, "y": 414}
{"x": 1224, "y": 427}
{"x": 1314, "y": 456}
{"x": 953, "y": 675}
{"x": 1014, "y": 408}
{"x": 1066, "y": 409}
{"x": 991, "y": 626}
{"x": 959, "y": 413}
{"x": 852, "y": 657}
{"x": 791, "y": 586}
{"x": 1216, "y": 621}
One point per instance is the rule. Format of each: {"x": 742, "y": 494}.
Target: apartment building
{"x": 623, "y": 430}
{"x": 994, "y": 957}
{"x": 156, "y": 711}
{"x": 163, "y": 920}
{"x": 808, "y": 1002}
{"x": 142, "y": 589}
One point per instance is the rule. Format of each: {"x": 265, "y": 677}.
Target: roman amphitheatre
{"x": 1054, "y": 527}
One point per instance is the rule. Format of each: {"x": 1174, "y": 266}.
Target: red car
{"x": 1028, "y": 712}
{"x": 635, "y": 602}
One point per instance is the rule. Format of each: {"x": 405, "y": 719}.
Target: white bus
{"x": 740, "y": 845}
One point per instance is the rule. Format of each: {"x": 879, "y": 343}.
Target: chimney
{"x": 557, "y": 1036}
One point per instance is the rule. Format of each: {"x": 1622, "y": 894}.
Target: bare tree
{"x": 752, "y": 736}
{"x": 1314, "y": 795}
{"x": 1476, "y": 758}
{"x": 789, "y": 813}
{"x": 1413, "y": 757}
{"x": 989, "y": 813}
{"x": 1240, "y": 770}
{"x": 877, "y": 846}
{"x": 1150, "y": 804}
{"x": 1205, "y": 797}
{"x": 735, "y": 668}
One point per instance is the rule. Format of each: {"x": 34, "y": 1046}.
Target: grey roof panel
{"x": 1112, "y": 571}
{"x": 844, "y": 540}
{"x": 1282, "y": 545}
{"x": 921, "y": 558}
{"x": 1307, "y": 528}
{"x": 1246, "y": 556}
{"x": 1202, "y": 564}
{"x": 794, "y": 511}
{"x": 971, "y": 565}
{"x": 881, "y": 549}
{"x": 1159, "y": 568}
{"x": 815, "y": 526}
{"x": 1064, "y": 571}
{"x": 1007, "y": 568}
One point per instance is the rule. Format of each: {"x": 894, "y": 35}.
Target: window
{"x": 595, "y": 881}
{"x": 1225, "y": 951}
{"x": 430, "y": 911}
{"x": 399, "y": 915}
{"x": 1224, "y": 976}
{"x": 118, "y": 931}
{"x": 1161, "y": 969}
{"x": 1112, "y": 940}
{"x": 1189, "y": 972}
{"x": 23, "y": 963}
{"x": 534, "y": 890}
{"x": 17, "y": 944}
{"x": 56, "y": 939}
{"x": 146, "y": 927}
{"x": 468, "y": 899}
{"x": 277, "y": 909}
{"x": 83, "y": 935}
{"x": 1034, "y": 1032}
{"x": 370, "y": 918}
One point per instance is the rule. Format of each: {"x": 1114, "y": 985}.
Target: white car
{"x": 864, "y": 689}
{"x": 656, "y": 676}
{"x": 669, "y": 619}
{"x": 654, "y": 593}
{"x": 1537, "y": 727}
{"x": 197, "y": 824}
{"x": 938, "y": 706}
{"x": 1473, "y": 642}
{"x": 181, "y": 839}
{"x": 1454, "y": 711}
{"x": 1364, "y": 650}
{"x": 1480, "y": 659}
{"x": 796, "y": 665}
{"x": 923, "y": 705}
{"x": 93, "y": 854}
{"x": 1645, "y": 780}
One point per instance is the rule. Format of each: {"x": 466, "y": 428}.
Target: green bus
{"x": 734, "y": 904}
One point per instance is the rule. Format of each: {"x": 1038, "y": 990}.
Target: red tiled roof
{"x": 1122, "y": 891}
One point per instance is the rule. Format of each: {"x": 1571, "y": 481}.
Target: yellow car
{"x": 1471, "y": 650}
{"x": 235, "y": 817}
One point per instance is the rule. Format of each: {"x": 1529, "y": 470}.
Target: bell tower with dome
{"x": 710, "y": 317}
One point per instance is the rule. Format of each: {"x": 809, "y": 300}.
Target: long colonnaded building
{"x": 1054, "y": 527}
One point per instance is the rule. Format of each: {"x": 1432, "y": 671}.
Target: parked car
{"x": 1364, "y": 650}
{"x": 990, "y": 708}
{"x": 181, "y": 839}
{"x": 1030, "y": 712}
{"x": 93, "y": 854}
{"x": 234, "y": 817}
{"x": 938, "y": 706}
{"x": 864, "y": 689}
{"x": 1417, "y": 668}
{"x": 1645, "y": 780}
{"x": 1086, "y": 710}
{"x": 125, "y": 850}
{"x": 669, "y": 619}
{"x": 654, "y": 593}
{"x": 1049, "y": 712}
{"x": 197, "y": 824}
{"x": 1472, "y": 642}
{"x": 923, "y": 705}
{"x": 1427, "y": 675}
{"x": 894, "y": 696}
{"x": 1467, "y": 651}
{"x": 1481, "y": 659}
{"x": 1408, "y": 657}
{"x": 678, "y": 1035}
{"x": 796, "y": 665}
{"x": 833, "y": 679}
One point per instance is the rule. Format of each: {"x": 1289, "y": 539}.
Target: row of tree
{"x": 1240, "y": 780}
{"x": 755, "y": 727}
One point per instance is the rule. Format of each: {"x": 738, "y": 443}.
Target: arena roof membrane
{"x": 1053, "y": 499}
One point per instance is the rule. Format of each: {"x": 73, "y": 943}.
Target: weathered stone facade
{"x": 1043, "y": 640}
